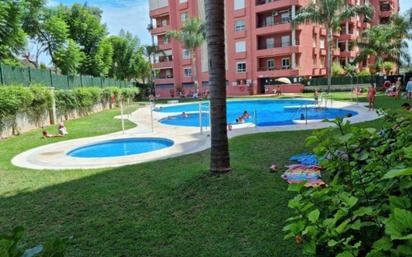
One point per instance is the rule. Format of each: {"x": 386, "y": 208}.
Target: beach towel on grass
{"x": 305, "y": 159}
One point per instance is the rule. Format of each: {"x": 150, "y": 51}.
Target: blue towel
{"x": 305, "y": 159}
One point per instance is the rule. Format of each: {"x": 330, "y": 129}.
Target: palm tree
{"x": 331, "y": 14}
{"x": 192, "y": 36}
{"x": 384, "y": 43}
{"x": 215, "y": 33}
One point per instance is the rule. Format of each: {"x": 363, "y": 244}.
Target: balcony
{"x": 348, "y": 37}
{"x": 267, "y": 72}
{"x": 159, "y": 12}
{"x": 348, "y": 54}
{"x": 163, "y": 47}
{"x": 278, "y": 48}
{"x": 318, "y": 71}
{"x": 164, "y": 62}
{"x": 264, "y": 5}
{"x": 159, "y": 81}
{"x": 160, "y": 29}
{"x": 336, "y": 52}
{"x": 274, "y": 28}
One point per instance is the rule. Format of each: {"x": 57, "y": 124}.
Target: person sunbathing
{"x": 62, "y": 129}
{"x": 47, "y": 135}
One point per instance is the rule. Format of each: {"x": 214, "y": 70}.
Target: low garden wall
{"x": 285, "y": 88}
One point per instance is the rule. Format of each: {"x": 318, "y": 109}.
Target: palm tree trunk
{"x": 215, "y": 33}
{"x": 196, "y": 83}
{"x": 329, "y": 54}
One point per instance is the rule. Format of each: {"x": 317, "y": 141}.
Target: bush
{"x": 87, "y": 97}
{"x": 65, "y": 100}
{"x": 107, "y": 94}
{"x": 128, "y": 94}
{"x": 364, "y": 73}
{"x": 366, "y": 210}
{"x": 337, "y": 69}
{"x": 14, "y": 99}
{"x": 42, "y": 100}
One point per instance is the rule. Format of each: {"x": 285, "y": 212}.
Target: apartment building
{"x": 261, "y": 44}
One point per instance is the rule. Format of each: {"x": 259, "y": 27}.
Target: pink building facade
{"x": 261, "y": 44}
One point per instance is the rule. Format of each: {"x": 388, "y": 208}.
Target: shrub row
{"x": 15, "y": 99}
{"x": 36, "y": 99}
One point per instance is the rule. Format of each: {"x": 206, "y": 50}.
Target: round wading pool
{"x": 120, "y": 147}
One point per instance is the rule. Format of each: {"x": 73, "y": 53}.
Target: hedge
{"x": 36, "y": 99}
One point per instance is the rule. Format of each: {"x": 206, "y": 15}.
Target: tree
{"x": 68, "y": 58}
{"x": 382, "y": 43}
{"x": 331, "y": 14}
{"x": 215, "y": 34}
{"x": 86, "y": 29}
{"x": 12, "y": 36}
{"x": 103, "y": 58}
{"x": 141, "y": 66}
{"x": 350, "y": 70}
{"x": 388, "y": 67}
{"x": 192, "y": 36}
{"x": 125, "y": 47}
{"x": 32, "y": 12}
{"x": 52, "y": 35}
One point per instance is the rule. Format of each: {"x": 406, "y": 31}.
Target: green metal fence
{"x": 10, "y": 75}
{"x": 341, "y": 81}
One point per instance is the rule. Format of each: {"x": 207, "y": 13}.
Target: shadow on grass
{"x": 169, "y": 208}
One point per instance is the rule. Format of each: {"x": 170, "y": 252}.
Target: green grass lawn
{"x": 165, "y": 208}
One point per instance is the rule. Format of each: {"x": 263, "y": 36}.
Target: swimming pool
{"x": 121, "y": 147}
{"x": 262, "y": 112}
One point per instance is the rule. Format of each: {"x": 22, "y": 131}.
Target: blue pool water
{"x": 121, "y": 147}
{"x": 262, "y": 112}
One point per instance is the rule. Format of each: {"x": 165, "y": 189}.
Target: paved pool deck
{"x": 187, "y": 140}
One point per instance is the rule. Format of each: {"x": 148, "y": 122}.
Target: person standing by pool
{"x": 409, "y": 89}
{"x": 316, "y": 95}
{"x": 371, "y": 97}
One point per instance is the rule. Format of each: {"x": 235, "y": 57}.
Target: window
{"x": 166, "y": 40}
{"x": 241, "y": 67}
{"x": 184, "y": 16}
{"x": 285, "y": 41}
{"x": 322, "y": 61}
{"x": 285, "y": 17}
{"x": 314, "y": 41}
{"x": 164, "y": 22}
{"x": 270, "y": 42}
{"x": 182, "y": 1}
{"x": 239, "y": 4}
{"x": 285, "y": 63}
{"x": 270, "y": 63}
{"x": 239, "y": 25}
{"x": 322, "y": 43}
{"x": 187, "y": 72}
{"x": 270, "y": 21}
{"x": 240, "y": 46}
{"x": 168, "y": 74}
{"x": 186, "y": 54}
{"x": 315, "y": 60}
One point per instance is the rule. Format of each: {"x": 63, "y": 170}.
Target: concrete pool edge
{"x": 187, "y": 141}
